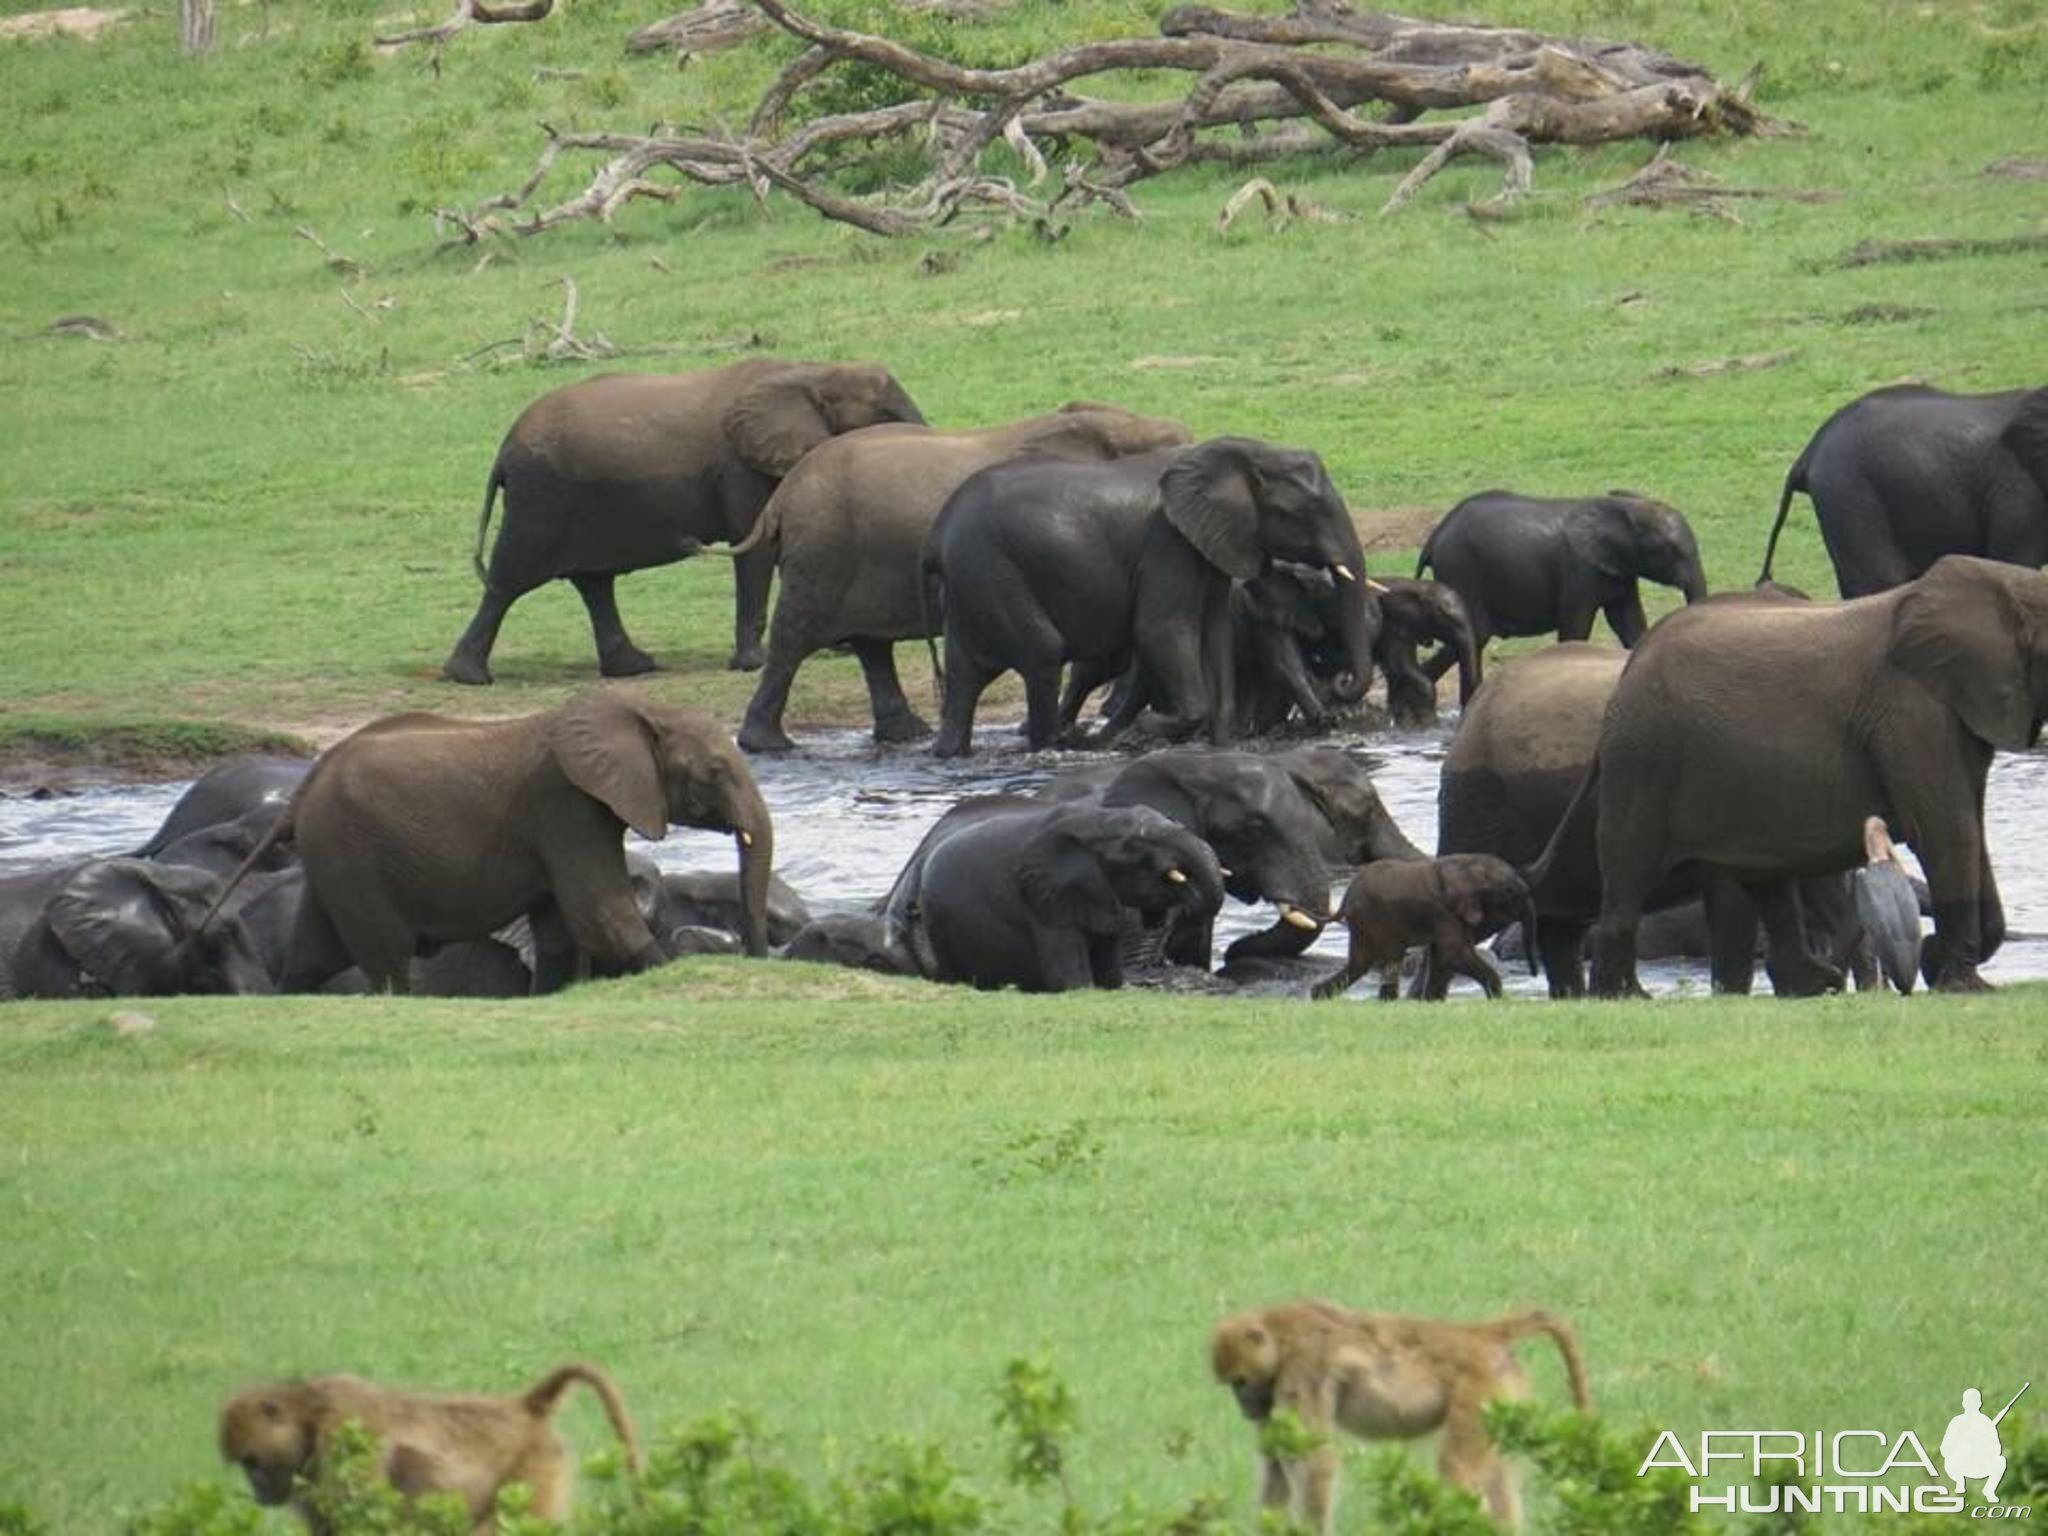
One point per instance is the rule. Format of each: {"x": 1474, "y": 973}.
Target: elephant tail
{"x": 1795, "y": 481}
{"x": 280, "y": 832}
{"x": 931, "y": 614}
{"x": 1580, "y": 811}
{"x": 766, "y": 530}
{"x": 492, "y": 486}
{"x": 1426, "y": 557}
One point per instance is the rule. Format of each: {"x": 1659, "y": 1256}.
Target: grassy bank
{"x": 844, "y": 1202}
{"x": 258, "y": 504}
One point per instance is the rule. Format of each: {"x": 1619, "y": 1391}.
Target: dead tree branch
{"x": 1324, "y": 80}
{"x": 468, "y": 13}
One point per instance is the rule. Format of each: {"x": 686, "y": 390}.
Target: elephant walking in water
{"x": 1887, "y": 706}
{"x": 1903, "y": 476}
{"x": 630, "y": 470}
{"x": 420, "y": 830}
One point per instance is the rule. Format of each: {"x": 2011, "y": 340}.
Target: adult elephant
{"x": 1887, "y": 706}
{"x": 1519, "y": 756}
{"x": 1531, "y": 565}
{"x": 1414, "y": 613}
{"x": 420, "y": 830}
{"x": 122, "y": 927}
{"x": 1905, "y": 475}
{"x": 1037, "y": 564}
{"x": 249, "y": 785}
{"x": 630, "y": 470}
{"x": 1267, "y": 833}
{"x": 849, "y": 524}
{"x": 1007, "y": 890}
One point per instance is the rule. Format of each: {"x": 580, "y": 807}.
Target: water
{"x": 848, "y": 813}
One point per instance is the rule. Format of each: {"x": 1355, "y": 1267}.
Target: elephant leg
{"x": 1136, "y": 691}
{"x": 966, "y": 679}
{"x": 470, "y": 661}
{"x": 378, "y": 940}
{"x": 752, "y": 575}
{"x": 1790, "y": 961}
{"x": 1454, "y": 952}
{"x": 1562, "y": 946}
{"x": 1042, "y": 707}
{"x": 1626, "y": 618}
{"x": 314, "y": 954}
{"x": 1631, "y": 861}
{"x": 1946, "y": 830}
{"x": 1863, "y": 965}
{"x": 895, "y": 720}
{"x": 556, "y": 960}
{"x": 1338, "y": 982}
{"x": 1083, "y": 678}
{"x": 1575, "y": 622}
{"x": 1731, "y": 935}
{"x": 1106, "y": 961}
{"x": 617, "y": 655}
{"x": 1189, "y": 941}
{"x": 1063, "y": 959}
{"x": 762, "y": 731}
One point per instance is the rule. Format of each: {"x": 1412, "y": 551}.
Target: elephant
{"x": 631, "y": 470}
{"x": 1285, "y": 629}
{"x": 1509, "y": 775}
{"x": 1269, "y": 834}
{"x": 421, "y": 830}
{"x": 119, "y": 927}
{"x": 1445, "y": 904}
{"x": 1414, "y": 612}
{"x": 1528, "y": 565}
{"x": 1902, "y": 476}
{"x": 858, "y": 940}
{"x": 1007, "y": 890}
{"x": 847, "y": 528}
{"x": 672, "y": 900}
{"x": 232, "y": 789}
{"x": 1889, "y": 706}
{"x": 1036, "y": 564}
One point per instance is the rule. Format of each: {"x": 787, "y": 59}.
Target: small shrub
{"x": 334, "y": 63}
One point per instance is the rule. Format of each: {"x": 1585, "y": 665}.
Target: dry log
{"x": 468, "y": 13}
{"x": 715, "y": 25}
{"x": 1293, "y": 86}
{"x": 1664, "y": 183}
{"x": 1871, "y": 253}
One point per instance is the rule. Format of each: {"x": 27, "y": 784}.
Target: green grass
{"x": 259, "y": 505}
{"x": 844, "y": 1202}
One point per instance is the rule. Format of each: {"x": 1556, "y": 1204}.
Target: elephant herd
{"x": 1753, "y": 752}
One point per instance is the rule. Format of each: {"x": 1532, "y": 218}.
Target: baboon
{"x": 470, "y": 1446}
{"x": 1382, "y": 1377}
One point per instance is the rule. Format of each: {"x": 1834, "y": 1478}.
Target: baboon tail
{"x": 1795, "y": 481}
{"x": 542, "y": 1398}
{"x": 483, "y": 518}
{"x": 1567, "y": 1343}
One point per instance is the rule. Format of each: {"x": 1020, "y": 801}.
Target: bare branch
{"x": 467, "y": 13}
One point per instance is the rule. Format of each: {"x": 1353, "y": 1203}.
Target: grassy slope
{"x": 260, "y": 505}
{"x": 814, "y": 1194}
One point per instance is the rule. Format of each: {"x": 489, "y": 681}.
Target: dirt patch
{"x": 1384, "y": 528}
{"x": 38, "y": 757}
{"x": 80, "y": 21}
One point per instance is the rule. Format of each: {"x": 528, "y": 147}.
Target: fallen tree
{"x": 1266, "y": 89}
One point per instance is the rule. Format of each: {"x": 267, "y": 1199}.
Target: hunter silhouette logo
{"x": 1859, "y": 1471}
{"x": 1970, "y": 1448}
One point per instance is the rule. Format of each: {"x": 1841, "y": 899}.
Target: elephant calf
{"x": 1527, "y": 565}
{"x": 1011, "y": 891}
{"x": 1448, "y": 904}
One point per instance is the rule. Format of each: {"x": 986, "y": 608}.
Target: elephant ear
{"x": 607, "y": 748}
{"x": 2026, "y": 436}
{"x": 774, "y": 423}
{"x": 1962, "y": 632}
{"x": 1061, "y": 880}
{"x": 127, "y": 922}
{"x": 1602, "y": 535}
{"x": 1209, "y": 497}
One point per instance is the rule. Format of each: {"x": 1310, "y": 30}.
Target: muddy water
{"x": 847, "y": 814}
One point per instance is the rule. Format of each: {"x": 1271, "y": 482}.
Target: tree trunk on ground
{"x": 195, "y": 25}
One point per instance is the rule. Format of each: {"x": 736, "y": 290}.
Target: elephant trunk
{"x": 1468, "y": 664}
{"x": 755, "y": 834}
{"x": 1385, "y": 840}
{"x": 1693, "y": 583}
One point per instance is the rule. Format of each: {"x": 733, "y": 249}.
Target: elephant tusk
{"x": 1296, "y": 918}
{"x": 746, "y": 838}
{"x": 1222, "y": 871}
{"x": 1175, "y": 877}
{"x": 1342, "y": 572}
{"x": 1373, "y": 586}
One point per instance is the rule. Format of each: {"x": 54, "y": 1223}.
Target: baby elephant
{"x": 1447, "y": 904}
